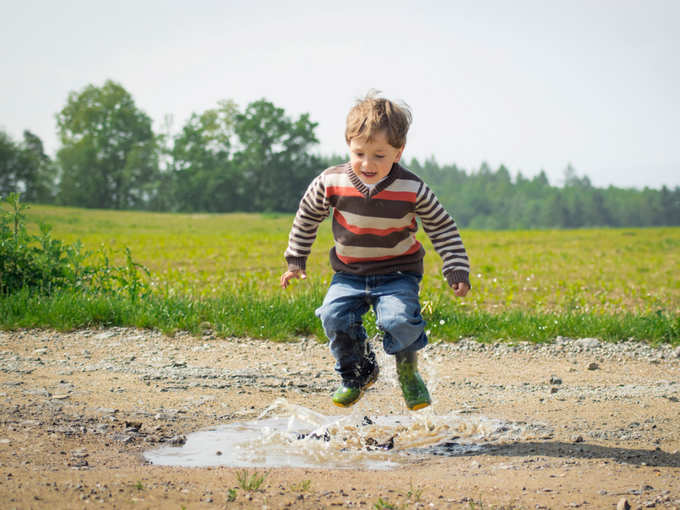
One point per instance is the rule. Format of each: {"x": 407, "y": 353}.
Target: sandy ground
{"x": 77, "y": 411}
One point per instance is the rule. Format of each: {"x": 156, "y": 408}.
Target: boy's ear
{"x": 397, "y": 157}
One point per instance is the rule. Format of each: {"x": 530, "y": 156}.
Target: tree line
{"x": 259, "y": 159}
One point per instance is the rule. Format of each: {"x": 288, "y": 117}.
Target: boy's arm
{"x": 443, "y": 232}
{"x": 314, "y": 208}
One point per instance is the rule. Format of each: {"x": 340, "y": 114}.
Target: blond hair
{"x": 374, "y": 114}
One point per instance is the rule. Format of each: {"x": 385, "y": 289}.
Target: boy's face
{"x": 372, "y": 161}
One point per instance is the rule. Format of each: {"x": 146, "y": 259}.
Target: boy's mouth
{"x": 369, "y": 174}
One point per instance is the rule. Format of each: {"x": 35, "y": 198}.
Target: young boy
{"x": 377, "y": 260}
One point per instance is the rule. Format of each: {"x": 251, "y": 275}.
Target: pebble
{"x": 178, "y": 440}
{"x": 593, "y": 366}
{"x": 623, "y": 504}
{"x": 587, "y": 343}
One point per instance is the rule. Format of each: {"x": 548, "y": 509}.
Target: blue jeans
{"x": 394, "y": 298}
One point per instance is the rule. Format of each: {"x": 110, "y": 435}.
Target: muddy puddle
{"x": 289, "y": 435}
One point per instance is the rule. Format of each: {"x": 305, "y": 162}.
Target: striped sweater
{"x": 374, "y": 230}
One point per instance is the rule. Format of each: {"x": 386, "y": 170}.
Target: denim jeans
{"x": 394, "y": 298}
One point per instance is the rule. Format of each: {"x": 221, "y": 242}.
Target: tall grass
{"x": 224, "y": 270}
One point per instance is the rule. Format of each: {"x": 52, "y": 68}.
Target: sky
{"x": 532, "y": 85}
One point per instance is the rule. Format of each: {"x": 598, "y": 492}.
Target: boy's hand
{"x": 289, "y": 275}
{"x": 460, "y": 288}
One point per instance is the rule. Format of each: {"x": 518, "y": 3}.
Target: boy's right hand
{"x": 289, "y": 275}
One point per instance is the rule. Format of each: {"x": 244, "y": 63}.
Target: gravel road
{"x": 78, "y": 409}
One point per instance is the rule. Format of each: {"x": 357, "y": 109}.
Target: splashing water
{"x": 288, "y": 435}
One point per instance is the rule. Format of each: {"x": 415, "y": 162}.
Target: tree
{"x": 9, "y": 164}
{"x": 273, "y": 159}
{"x": 26, "y": 169}
{"x": 40, "y": 172}
{"x": 203, "y": 176}
{"x": 108, "y": 156}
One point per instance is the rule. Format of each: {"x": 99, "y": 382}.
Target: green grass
{"x": 224, "y": 269}
{"x": 248, "y": 482}
{"x": 279, "y": 318}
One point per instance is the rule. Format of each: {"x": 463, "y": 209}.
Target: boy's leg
{"x": 398, "y": 315}
{"x": 397, "y": 310}
{"x": 341, "y": 316}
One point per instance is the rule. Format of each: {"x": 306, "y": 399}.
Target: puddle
{"x": 288, "y": 435}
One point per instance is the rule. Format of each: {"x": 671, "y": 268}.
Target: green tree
{"x": 40, "y": 171}
{"x": 26, "y": 169}
{"x": 273, "y": 161}
{"x": 9, "y": 165}
{"x": 108, "y": 156}
{"x": 203, "y": 176}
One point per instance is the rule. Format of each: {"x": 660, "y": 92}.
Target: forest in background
{"x": 259, "y": 159}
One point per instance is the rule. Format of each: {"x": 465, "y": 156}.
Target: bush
{"x": 42, "y": 264}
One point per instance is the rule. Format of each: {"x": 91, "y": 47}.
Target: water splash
{"x": 289, "y": 435}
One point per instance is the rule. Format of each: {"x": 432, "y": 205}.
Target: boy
{"x": 377, "y": 260}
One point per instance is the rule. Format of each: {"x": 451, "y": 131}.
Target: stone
{"x": 593, "y": 366}
{"x": 178, "y": 440}
{"x": 123, "y": 438}
{"x": 587, "y": 343}
{"x": 623, "y": 504}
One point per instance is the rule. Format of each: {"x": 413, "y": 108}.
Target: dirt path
{"x": 77, "y": 410}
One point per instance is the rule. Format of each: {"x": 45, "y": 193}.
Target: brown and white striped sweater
{"x": 374, "y": 230}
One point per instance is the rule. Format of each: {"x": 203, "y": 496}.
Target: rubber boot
{"x": 351, "y": 390}
{"x": 412, "y": 386}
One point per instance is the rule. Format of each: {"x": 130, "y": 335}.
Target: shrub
{"x": 42, "y": 264}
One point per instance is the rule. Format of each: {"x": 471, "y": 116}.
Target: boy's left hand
{"x": 460, "y": 288}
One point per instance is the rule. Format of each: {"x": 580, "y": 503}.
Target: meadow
{"x": 221, "y": 271}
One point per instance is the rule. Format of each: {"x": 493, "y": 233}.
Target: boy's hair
{"x": 373, "y": 114}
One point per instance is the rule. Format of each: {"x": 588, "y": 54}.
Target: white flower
{"x": 442, "y": 322}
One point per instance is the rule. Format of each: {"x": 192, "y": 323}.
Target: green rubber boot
{"x": 347, "y": 395}
{"x": 412, "y": 386}
{"x": 350, "y": 392}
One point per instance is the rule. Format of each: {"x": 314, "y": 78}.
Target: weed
{"x": 139, "y": 486}
{"x": 414, "y": 493}
{"x": 42, "y": 264}
{"x": 249, "y": 482}
{"x": 384, "y": 505}
{"x": 303, "y": 486}
{"x": 231, "y": 495}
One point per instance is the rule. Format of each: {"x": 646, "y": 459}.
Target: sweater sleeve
{"x": 313, "y": 209}
{"x": 443, "y": 232}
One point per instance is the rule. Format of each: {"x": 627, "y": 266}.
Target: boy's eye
{"x": 360, "y": 154}
{"x": 379, "y": 156}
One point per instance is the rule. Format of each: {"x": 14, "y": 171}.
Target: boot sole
{"x": 421, "y": 405}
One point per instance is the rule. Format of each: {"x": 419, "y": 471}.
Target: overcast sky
{"x": 532, "y": 85}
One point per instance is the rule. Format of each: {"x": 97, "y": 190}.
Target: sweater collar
{"x": 363, "y": 189}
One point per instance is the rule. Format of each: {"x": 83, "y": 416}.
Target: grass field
{"x": 526, "y": 284}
